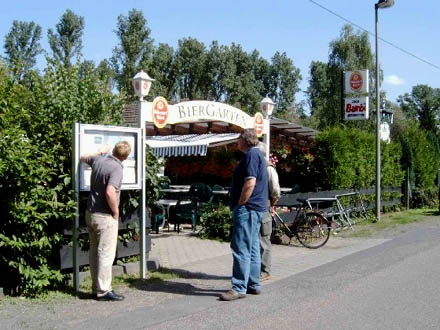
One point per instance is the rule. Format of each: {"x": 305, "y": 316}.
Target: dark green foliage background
{"x": 346, "y": 158}
{"x": 35, "y": 168}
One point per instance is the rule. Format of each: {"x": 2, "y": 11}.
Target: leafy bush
{"x": 216, "y": 223}
{"x": 421, "y": 155}
{"x": 425, "y": 197}
{"x": 345, "y": 158}
{"x": 35, "y": 168}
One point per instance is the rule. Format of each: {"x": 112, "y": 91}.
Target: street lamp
{"x": 381, "y": 4}
{"x": 142, "y": 84}
{"x": 267, "y": 106}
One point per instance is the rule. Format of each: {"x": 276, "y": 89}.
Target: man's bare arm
{"x": 103, "y": 150}
{"x": 247, "y": 190}
{"x": 112, "y": 200}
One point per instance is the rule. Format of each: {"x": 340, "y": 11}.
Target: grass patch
{"x": 118, "y": 282}
{"x": 389, "y": 221}
{"x": 51, "y": 296}
{"x": 133, "y": 280}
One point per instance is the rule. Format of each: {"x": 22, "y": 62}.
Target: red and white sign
{"x": 259, "y": 124}
{"x": 356, "y": 108}
{"x": 356, "y": 82}
{"x": 160, "y": 111}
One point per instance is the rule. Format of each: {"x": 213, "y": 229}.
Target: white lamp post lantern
{"x": 142, "y": 84}
{"x": 267, "y": 106}
{"x": 381, "y": 4}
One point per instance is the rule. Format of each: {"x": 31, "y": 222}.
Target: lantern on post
{"x": 267, "y": 106}
{"x": 381, "y": 4}
{"x": 142, "y": 84}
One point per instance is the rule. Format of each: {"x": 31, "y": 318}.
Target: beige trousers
{"x": 103, "y": 234}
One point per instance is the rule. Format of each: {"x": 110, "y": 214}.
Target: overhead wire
{"x": 372, "y": 34}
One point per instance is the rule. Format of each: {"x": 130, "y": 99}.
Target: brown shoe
{"x": 264, "y": 276}
{"x": 231, "y": 295}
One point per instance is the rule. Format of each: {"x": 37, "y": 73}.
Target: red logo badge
{"x": 356, "y": 81}
{"x": 160, "y": 112}
{"x": 259, "y": 124}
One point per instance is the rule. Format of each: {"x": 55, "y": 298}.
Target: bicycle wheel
{"x": 313, "y": 230}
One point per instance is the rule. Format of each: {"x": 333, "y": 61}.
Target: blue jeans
{"x": 245, "y": 245}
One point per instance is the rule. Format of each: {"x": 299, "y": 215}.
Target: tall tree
{"x": 106, "y": 74}
{"x": 284, "y": 80}
{"x": 423, "y": 104}
{"x": 216, "y": 67}
{"x": 351, "y": 51}
{"x": 190, "y": 63}
{"x": 66, "y": 42}
{"x": 22, "y": 46}
{"x": 239, "y": 79}
{"x": 163, "y": 71}
{"x": 134, "y": 51}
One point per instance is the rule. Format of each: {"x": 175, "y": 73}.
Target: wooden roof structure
{"x": 281, "y": 131}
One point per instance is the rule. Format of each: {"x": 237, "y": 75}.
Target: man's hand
{"x": 105, "y": 149}
{"x": 112, "y": 201}
{"x": 247, "y": 190}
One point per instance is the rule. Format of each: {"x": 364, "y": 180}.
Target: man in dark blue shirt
{"x": 249, "y": 196}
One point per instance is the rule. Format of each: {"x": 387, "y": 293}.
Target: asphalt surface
{"x": 347, "y": 284}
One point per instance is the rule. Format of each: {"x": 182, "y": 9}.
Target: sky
{"x": 300, "y": 28}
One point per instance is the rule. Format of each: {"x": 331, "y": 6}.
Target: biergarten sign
{"x": 161, "y": 114}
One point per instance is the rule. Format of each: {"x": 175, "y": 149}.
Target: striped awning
{"x": 189, "y": 144}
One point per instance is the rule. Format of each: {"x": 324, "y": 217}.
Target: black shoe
{"x": 110, "y": 296}
{"x": 253, "y": 291}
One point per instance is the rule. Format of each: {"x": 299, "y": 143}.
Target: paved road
{"x": 390, "y": 286}
{"x": 348, "y": 284}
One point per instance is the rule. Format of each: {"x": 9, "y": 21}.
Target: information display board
{"x": 93, "y": 138}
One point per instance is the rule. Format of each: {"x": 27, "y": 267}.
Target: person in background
{"x": 266, "y": 224}
{"x": 102, "y": 216}
{"x": 249, "y": 195}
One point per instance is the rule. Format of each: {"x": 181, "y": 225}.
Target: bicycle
{"x": 310, "y": 227}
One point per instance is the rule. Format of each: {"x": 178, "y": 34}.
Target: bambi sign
{"x": 356, "y": 108}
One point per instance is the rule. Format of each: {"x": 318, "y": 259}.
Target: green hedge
{"x": 346, "y": 158}
{"x": 35, "y": 168}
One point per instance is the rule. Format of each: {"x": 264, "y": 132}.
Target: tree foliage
{"x": 423, "y": 104}
{"x": 343, "y": 160}
{"x": 134, "y": 51}
{"x": 284, "y": 80}
{"x": 35, "y": 168}
{"x": 351, "y": 51}
{"x": 190, "y": 68}
{"x": 66, "y": 41}
{"x": 22, "y": 46}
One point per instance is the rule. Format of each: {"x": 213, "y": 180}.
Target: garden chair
{"x": 183, "y": 211}
{"x": 200, "y": 194}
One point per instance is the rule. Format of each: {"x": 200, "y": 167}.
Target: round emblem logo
{"x": 259, "y": 124}
{"x": 356, "y": 81}
{"x": 160, "y": 112}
